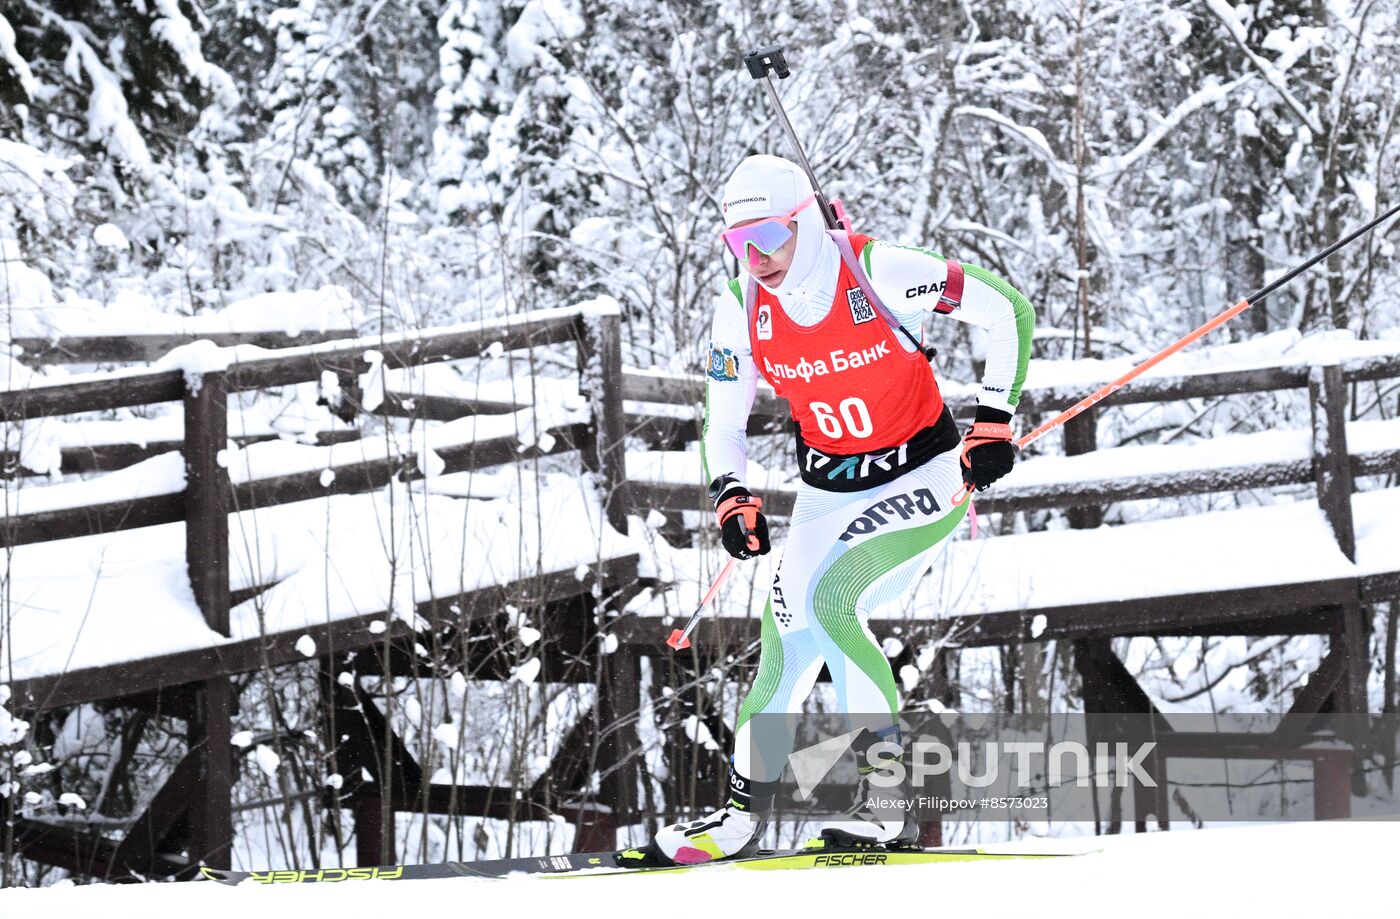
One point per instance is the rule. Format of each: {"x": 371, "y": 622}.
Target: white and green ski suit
{"x": 847, "y": 553}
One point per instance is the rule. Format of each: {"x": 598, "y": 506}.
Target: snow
{"x": 699, "y": 733}
{"x": 542, "y": 22}
{"x": 1376, "y": 521}
{"x": 71, "y": 800}
{"x": 377, "y": 542}
{"x": 133, "y": 312}
{"x": 1226, "y": 550}
{"x": 110, "y": 236}
{"x": 72, "y": 606}
{"x": 196, "y": 359}
{"x": 267, "y": 760}
{"x": 329, "y": 560}
{"x": 159, "y": 475}
{"x": 325, "y": 310}
{"x": 12, "y": 57}
{"x": 1286, "y": 348}
{"x": 42, "y": 440}
{"x": 164, "y": 474}
{"x": 683, "y": 467}
{"x": 446, "y": 379}
{"x": 176, "y": 31}
{"x": 1202, "y": 456}
{"x": 1229, "y": 872}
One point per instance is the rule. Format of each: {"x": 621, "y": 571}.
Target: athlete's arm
{"x": 910, "y": 280}
{"x": 731, "y": 380}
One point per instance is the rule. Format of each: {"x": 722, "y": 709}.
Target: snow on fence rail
{"x": 209, "y": 374}
{"x": 1087, "y": 475}
{"x": 119, "y": 349}
{"x": 246, "y": 367}
{"x": 689, "y": 389}
{"x": 210, "y": 481}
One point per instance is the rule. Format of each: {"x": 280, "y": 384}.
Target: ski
{"x": 588, "y": 864}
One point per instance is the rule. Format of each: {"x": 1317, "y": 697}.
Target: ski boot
{"x": 880, "y": 817}
{"x": 887, "y": 828}
{"x": 732, "y": 831}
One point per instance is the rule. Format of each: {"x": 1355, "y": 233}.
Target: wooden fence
{"x": 195, "y": 684}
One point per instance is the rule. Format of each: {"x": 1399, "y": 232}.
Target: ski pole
{"x": 761, "y": 65}
{"x": 680, "y": 638}
{"x": 1104, "y": 392}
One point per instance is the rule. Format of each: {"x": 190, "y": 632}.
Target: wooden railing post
{"x": 619, "y": 745}
{"x": 1327, "y": 399}
{"x": 1332, "y": 786}
{"x": 1081, "y": 436}
{"x": 604, "y": 454}
{"x": 1327, "y": 396}
{"x": 600, "y": 381}
{"x": 206, "y": 557}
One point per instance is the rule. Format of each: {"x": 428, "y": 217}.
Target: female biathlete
{"x": 824, "y": 318}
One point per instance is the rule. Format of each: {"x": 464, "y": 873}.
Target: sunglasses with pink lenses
{"x": 766, "y": 236}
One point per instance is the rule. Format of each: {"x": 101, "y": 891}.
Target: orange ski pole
{"x": 1104, "y": 392}
{"x": 680, "y": 638}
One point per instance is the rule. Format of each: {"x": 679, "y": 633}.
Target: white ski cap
{"x": 763, "y": 186}
{"x": 770, "y": 186}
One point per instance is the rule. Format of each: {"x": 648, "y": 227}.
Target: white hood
{"x": 770, "y": 186}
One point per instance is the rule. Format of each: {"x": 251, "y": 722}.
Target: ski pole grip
{"x": 761, "y": 61}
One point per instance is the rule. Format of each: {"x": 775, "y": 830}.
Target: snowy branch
{"x": 1206, "y": 95}
{"x": 1032, "y": 138}
{"x": 1223, "y": 12}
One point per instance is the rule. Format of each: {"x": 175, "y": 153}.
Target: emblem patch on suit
{"x": 723, "y": 366}
{"x": 861, "y": 310}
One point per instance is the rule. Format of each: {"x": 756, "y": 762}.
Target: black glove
{"x": 988, "y": 453}
{"x": 742, "y": 527}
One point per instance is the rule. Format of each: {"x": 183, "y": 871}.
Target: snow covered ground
{"x": 1314, "y": 869}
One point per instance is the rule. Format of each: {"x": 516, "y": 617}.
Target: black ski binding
{"x": 839, "y": 839}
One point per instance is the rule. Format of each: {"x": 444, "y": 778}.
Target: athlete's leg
{"x": 891, "y": 538}
{"x": 889, "y": 541}
{"x": 789, "y": 656}
{"x": 788, "y": 666}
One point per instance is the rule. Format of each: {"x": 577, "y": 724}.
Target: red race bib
{"x": 852, "y": 385}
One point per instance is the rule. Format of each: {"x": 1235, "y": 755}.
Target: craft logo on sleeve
{"x": 723, "y": 366}
{"x": 861, "y": 310}
{"x": 765, "y": 322}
